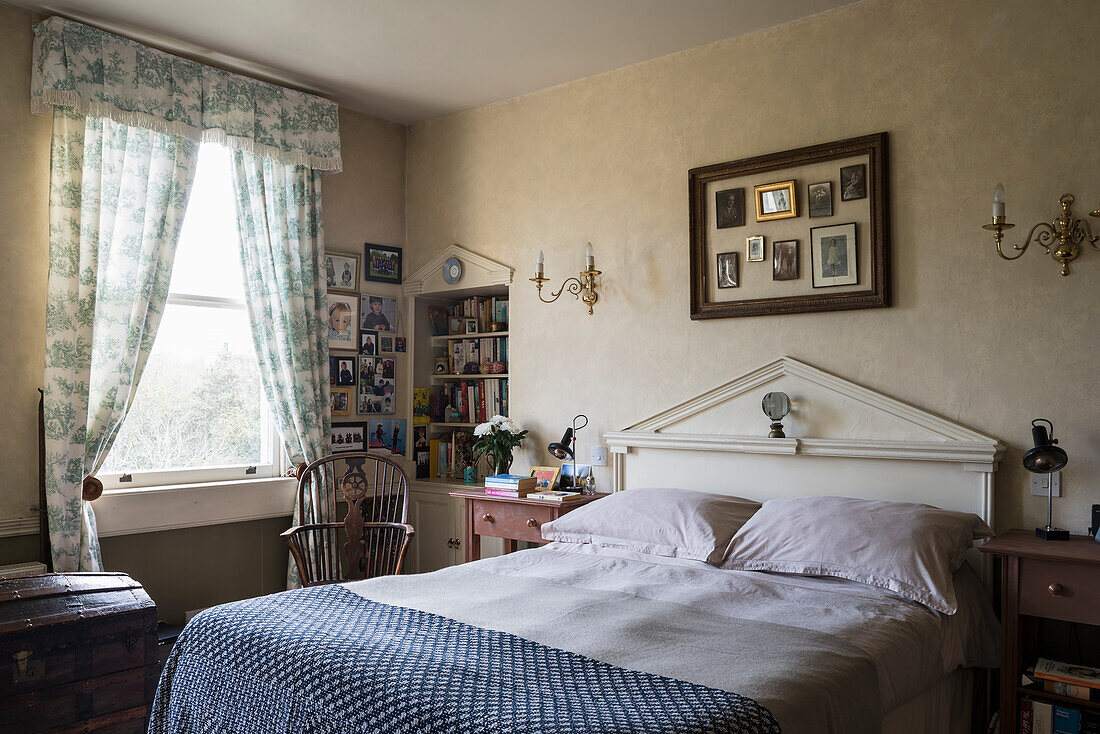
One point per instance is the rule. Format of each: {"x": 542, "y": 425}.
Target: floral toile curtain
{"x": 282, "y": 254}
{"x": 127, "y": 123}
{"x": 117, "y": 198}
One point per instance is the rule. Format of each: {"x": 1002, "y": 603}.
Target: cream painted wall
{"x": 24, "y": 228}
{"x": 970, "y": 94}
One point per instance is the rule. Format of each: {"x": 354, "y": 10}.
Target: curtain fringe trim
{"x": 44, "y": 104}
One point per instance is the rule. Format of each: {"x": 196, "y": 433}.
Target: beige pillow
{"x": 677, "y": 523}
{"x": 909, "y": 549}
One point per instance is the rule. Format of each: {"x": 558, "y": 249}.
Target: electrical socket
{"x": 1039, "y": 484}
{"x": 599, "y": 456}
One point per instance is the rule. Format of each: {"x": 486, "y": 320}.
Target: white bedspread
{"x": 822, "y": 655}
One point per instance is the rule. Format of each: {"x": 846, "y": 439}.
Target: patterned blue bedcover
{"x": 327, "y": 660}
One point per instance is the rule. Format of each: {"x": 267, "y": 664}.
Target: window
{"x": 199, "y": 414}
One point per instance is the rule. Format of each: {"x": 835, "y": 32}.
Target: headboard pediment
{"x": 822, "y": 406}
{"x": 856, "y": 442}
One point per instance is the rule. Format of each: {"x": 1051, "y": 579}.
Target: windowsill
{"x": 154, "y": 509}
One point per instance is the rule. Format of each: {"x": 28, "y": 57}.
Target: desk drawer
{"x": 515, "y": 521}
{"x": 1060, "y": 590}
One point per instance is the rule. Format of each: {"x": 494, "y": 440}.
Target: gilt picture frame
{"x": 768, "y": 296}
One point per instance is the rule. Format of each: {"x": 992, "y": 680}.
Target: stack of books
{"x": 552, "y": 495}
{"x": 510, "y": 485}
{"x": 1039, "y": 716}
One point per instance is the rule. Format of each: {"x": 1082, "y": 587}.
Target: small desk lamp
{"x": 564, "y": 449}
{"x": 1046, "y": 458}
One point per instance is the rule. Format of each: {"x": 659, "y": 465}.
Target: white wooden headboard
{"x": 844, "y": 440}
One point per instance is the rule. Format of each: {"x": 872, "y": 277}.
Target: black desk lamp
{"x": 564, "y": 449}
{"x": 1046, "y": 458}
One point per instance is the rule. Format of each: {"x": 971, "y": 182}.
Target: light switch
{"x": 1039, "y": 484}
{"x": 599, "y": 456}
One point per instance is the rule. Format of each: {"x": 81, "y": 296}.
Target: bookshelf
{"x": 454, "y": 367}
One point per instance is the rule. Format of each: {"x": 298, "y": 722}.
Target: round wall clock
{"x": 452, "y": 270}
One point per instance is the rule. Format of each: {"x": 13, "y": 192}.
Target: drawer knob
{"x": 531, "y": 523}
{"x": 1055, "y": 589}
{"x": 486, "y": 517}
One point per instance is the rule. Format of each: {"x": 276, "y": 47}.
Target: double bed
{"x": 606, "y": 637}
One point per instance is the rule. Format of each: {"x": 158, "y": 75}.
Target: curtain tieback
{"x": 90, "y": 489}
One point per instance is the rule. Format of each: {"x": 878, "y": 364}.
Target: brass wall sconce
{"x": 583, "y": 288}
{"x": 1061, "y": 238}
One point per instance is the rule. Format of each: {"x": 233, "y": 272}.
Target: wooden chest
{"x": 78, "y": 653}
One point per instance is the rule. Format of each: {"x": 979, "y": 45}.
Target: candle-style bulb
{"x": 538, "y": 264}
{"x": 589, "y": 257}
{"x": 999, "y": 201}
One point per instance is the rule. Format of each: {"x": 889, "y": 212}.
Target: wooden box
{"x": 78, "y": 653}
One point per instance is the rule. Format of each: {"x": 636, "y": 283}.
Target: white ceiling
{"x": 412, "y": 60}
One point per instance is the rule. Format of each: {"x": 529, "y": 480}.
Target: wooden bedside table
{"x": 1041, "y": 579}
{"x": 511, "y": 518}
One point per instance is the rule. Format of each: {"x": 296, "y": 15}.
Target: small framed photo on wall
{"x": 728, "y": 275}
{"x": 385, "y": 343}
{"x": 379, "y": 313}
{"x": 785, "y": 260}
{"x": 729, "y": 208}
{"x": 775, "y": 201}
{"x": 383, "y": 264}
{"x": 341, "y": 370}
{"x": 853, "y": 182}
{"x": 754, "y": 247}
{"x": 347, "y": 437}
{"x": 340, "y": 401}
{"x": 342, "y": 272}
{"x": 343, "y": 314}
{"x": 368, "y": 342}
{"x": 833, "y": 251}
{"x": 820, "y": 199}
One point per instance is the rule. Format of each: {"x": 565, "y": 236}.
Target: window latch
{"x": 126, "y": 478}
{"x": 250, "y": 470}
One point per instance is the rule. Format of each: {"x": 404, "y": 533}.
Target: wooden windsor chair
{"x": 373, "y": 536}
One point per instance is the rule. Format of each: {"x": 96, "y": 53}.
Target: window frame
{"x": 273, "y": 462}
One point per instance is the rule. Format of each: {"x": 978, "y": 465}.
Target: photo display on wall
{"x": 798, "y": 231}
{"x": 377, "y": 386}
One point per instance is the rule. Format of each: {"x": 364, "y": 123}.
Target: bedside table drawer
{"x": 1060, "y": 590}
{"x": 515, "y": 521}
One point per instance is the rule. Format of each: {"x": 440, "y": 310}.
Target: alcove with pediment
{"x": 437, "y": 516}
{"x": 843, "y": 439}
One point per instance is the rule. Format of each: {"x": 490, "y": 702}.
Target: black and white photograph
{"x": 368, "y": 342}
{"x": 755, "y": 249}
{"x": 775, "y": 201}
{"x": 833, "y": 251}
{"x": 379, "y": 313}
{"x": 785, "y": 260}
{"x": 729, "y": 208}
{"x": 341, "y": 370}
{"x": 347, "y": 437}
{"x": 853, "y": 182}
{"x": 341, "y": 272}
{"x": 728, "y": 276}
{"x": 820, "y": 199}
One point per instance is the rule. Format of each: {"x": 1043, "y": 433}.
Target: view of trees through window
{"x": 199, "y": 401}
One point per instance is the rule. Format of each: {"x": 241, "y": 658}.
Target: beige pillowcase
{"x": 909, "y": 549}
{"x": 677, "y": 523}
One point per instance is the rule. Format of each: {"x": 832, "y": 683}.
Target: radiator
{"x": 22, "y": 569}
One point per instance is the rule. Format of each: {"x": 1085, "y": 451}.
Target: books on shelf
{"x": 1046, "y": 717}
{"x": 552, "y": 495}
{"x": 1078, "y": 675}
{"x": 475, "y": 401}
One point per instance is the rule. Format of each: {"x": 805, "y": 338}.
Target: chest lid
{"x": 31, "y": 602}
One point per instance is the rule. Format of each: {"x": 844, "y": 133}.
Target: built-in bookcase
{"x": 466, "y": 387}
